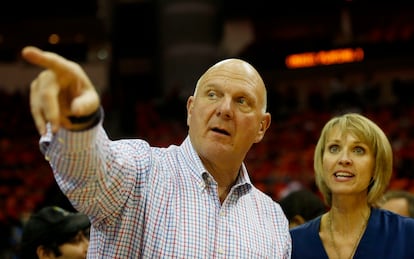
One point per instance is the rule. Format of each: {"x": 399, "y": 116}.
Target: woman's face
{"x": 348, "y": 163}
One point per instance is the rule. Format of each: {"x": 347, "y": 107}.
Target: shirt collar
{"x": 198, "y": 170}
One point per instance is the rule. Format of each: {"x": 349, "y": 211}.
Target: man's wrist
{"x": 86, "y": 122}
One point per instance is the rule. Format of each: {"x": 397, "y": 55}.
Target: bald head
{"x": 236, "y": 69}
{"x": 227, "y": 115}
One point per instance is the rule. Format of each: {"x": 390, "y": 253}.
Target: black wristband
{"x": 90, "y": 119}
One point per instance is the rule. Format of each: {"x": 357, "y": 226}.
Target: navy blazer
{"x": 387, "y": 235}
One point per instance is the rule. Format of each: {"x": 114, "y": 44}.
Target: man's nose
{"x": 225, "y": 108}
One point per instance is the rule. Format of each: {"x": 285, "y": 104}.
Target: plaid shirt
{"x": 149, "y": 202}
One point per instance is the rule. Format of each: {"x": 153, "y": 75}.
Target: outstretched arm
{"x": 61, "y": 93}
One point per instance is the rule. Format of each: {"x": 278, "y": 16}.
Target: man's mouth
{"x": 221, "y": 131}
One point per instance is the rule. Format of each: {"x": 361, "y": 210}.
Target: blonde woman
{"x": 353, "y": 166}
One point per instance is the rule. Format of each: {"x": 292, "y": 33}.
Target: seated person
{"x": 53, "y": 232}
{"x": 399, "y": 201}
{"x": 301, "y": 205}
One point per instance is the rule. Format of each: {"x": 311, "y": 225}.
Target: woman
{"x": 353, "y": 166}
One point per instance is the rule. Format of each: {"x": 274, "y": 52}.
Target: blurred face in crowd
{"x": 227, "y": 114}
{"x": 75, "y": 248}
{"x": 397, "y": 205}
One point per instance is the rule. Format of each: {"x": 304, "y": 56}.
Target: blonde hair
{"x": 371, "y": 134}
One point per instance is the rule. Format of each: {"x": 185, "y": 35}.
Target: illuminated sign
{"x": 324, "y": 58}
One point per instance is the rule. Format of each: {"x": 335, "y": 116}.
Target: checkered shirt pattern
{"x": 152, "y": 202}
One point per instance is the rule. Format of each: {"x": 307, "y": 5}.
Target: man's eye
{"x": 211, "y": 94}
{"x": 242, "y": 100}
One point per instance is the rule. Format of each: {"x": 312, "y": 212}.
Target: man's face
{"x": 226, "y": 115}
{"x": 75, "y": 248}
{"x": 397, "y": 205}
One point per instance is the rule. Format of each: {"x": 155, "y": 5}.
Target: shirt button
{"x": 221, "y": 251}
{"x": 47, "y": 158}
{"x": 222, "y": 213}
{"x": 61, "y": 140}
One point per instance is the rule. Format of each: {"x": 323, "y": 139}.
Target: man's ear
{"x": 190, "y": 104}
{"x": 264, "y": 125}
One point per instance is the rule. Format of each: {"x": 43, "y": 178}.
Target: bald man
{"x": 189, "y": 201}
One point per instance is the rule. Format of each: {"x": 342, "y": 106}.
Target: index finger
{"x": 45, "y": 59}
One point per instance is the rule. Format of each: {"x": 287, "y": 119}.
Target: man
{"x": 53, "y": 232}
{"x": 189, "y": 201}
{"x": 400, "y": 202}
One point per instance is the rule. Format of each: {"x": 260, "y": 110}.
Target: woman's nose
{"x": 345, "y": 159}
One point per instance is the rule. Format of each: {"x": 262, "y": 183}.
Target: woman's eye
{"x": 334, "y": 149}
{"x": 359, "y": 150}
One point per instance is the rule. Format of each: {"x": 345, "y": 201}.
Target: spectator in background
{"x": 399, "y": 201}
{"x": 301, "y": 206}
{"x": 53, "y": 232}
{"x": 353, "y": 163}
